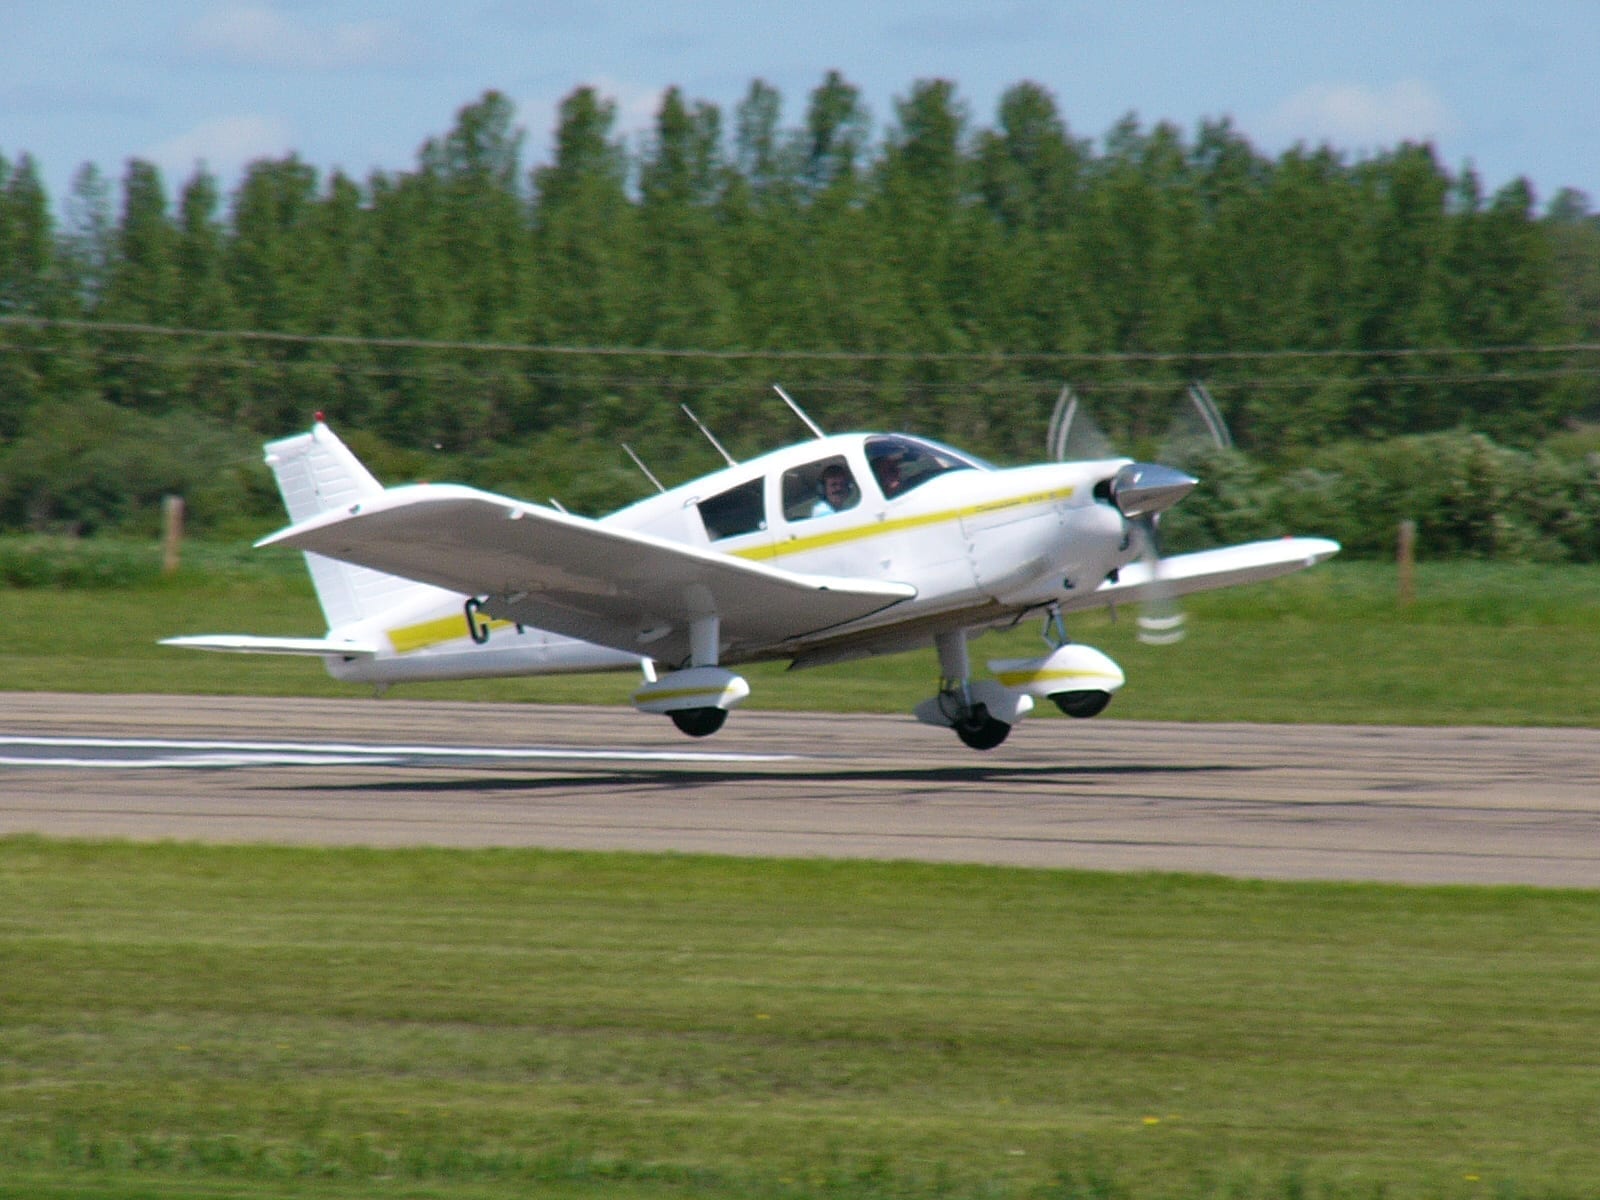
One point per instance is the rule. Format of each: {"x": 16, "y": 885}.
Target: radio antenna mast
{"x": 639, "y": 462}
{"x": 798, "y": 411}
{"x": 701, "y": 427}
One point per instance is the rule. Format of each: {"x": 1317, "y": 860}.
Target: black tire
{"x": 981, "y": 731}
{"x": 1082, "y": 704}
{"x": 699, "y": 722}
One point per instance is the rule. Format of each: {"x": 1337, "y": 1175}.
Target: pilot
{"x": 836, "y": 490}
{"x": 887, "y": 469}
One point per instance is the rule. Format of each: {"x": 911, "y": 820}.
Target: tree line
{"x": 511, "y": 323}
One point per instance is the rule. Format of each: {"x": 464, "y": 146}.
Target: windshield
{"x": 900, "y": 463}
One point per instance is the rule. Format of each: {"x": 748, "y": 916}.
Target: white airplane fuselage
{"x": 977, "y": 543}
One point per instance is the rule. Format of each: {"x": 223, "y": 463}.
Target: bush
{"x": 76, "y": 563}
{"x": 94, "y": 467}
{"x": 1469, "y": 497}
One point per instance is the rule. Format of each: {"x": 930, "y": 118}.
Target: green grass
{"x": 250, "y": 1022}
{"x": 178, "y": 1020}
{"x": 1482, "y": 644}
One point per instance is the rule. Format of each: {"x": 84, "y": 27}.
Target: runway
{"x": 1405, "y": 805}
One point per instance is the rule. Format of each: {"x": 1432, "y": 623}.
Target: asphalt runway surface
{"x": 1407, "y": 805}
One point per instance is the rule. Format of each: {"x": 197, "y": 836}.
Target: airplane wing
{"x": 1204, "y": 570}
{"x": 583, "y": 578}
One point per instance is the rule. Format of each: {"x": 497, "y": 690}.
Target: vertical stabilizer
{"x": 316, "y": 473}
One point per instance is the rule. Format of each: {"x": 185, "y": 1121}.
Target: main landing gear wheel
{"x": 699, "y": 722}
{"x": 1082, "y": 704}
{"x": 979, "y": 730}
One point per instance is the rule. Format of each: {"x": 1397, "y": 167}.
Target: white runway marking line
{"x": 214, "y": 754}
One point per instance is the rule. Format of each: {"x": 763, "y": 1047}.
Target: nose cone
{"x": 1142, "y": 489}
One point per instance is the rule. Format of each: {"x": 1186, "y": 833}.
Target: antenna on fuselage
{"x": 639, "y": 462}
{"x": 701, "y": 427}
{"x": 798, "y": 411}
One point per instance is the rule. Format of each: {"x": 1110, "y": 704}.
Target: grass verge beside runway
{"x": 249, "y": 1021}
{"x": 1483, "y": 644}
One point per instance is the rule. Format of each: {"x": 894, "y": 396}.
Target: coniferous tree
{"x": 143, "y": 371}
{"x": 32, "y": 285}
{"x": 956, "y": 261}
{"x": 683, "y": 294}
{"x": 87, "y": 240}
{"x": 586, "y": 258}
{"x": 205, "y": 300}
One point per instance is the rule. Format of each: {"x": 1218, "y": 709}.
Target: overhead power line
{"x": 1135, "y": 383}
{"x": 995, "y": 356}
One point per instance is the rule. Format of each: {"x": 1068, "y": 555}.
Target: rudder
{"x": 316, "y": 473}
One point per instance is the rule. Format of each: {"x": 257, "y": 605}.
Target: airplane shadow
{"x": 611, "y": 778}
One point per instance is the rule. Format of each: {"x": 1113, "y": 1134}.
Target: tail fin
{"x": 316, "y": 472}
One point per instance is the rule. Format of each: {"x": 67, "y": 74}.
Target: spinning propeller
{"x": 1142, "y": 491}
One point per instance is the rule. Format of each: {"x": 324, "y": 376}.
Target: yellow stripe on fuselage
{"x": 855, "y": 533}
{"x": 409, "y": 638}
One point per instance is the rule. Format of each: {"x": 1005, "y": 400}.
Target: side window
{"x": 818, "y": 489}
{"x": 737, "y": 510}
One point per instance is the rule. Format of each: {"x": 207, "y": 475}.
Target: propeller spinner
{"x": 1145, "y": 489}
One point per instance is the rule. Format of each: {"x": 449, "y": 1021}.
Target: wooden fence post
{"x": 1406, "y": 561}
{"x": 172, "y": 533}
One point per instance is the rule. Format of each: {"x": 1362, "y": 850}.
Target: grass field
{"x": 1482, "y": 644}
{"x": 254, "y": 1022}
{"x": 195, "y": 1021}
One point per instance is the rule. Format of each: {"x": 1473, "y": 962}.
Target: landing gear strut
{"x": 965, "y": 706}
{"x": 696, "y": 697}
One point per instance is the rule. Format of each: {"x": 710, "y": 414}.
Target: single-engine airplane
{"x": 837, "y": 548}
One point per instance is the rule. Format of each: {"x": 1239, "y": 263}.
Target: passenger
{"x": 836, "y": 489}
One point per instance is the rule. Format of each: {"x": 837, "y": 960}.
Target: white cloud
{"x": 637, "y": 104}
{"x": 258, "y": 35}
{"x": 1351, "y": 115}
{"x": 223, "y": 145}
{"x": 636, "y": 109}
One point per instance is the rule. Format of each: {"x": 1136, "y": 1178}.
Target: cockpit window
{"x": 737, "y": 510}
{"x": 902, "y": 463}
{"x": 819, "y": 489}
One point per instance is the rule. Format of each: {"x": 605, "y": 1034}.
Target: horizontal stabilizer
{"x": 241, "y": 643}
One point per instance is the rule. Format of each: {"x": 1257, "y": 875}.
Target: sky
{"x": 1507, "y": 89}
